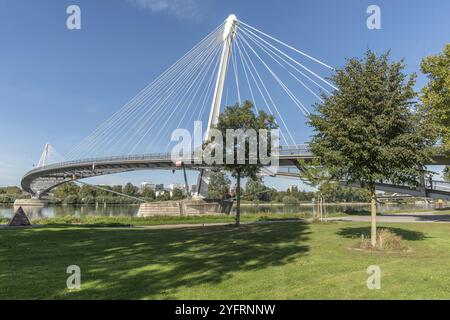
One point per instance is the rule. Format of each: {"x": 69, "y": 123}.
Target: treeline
{"x": 256, "y": 191}
{"x": 71, "y": 193}
{"x": 219, "y": 188}
{"x": 9, "y": 194}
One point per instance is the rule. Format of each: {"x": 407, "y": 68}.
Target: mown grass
{"x": 291, "y": 260}
{"x": 124, "y": 221}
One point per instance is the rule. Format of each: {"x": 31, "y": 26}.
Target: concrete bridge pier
{"x": 33, "y": 202}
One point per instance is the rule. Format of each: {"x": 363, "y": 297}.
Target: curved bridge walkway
{"x": 44, "y": 178}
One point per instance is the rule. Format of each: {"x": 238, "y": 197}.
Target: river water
{"x": 131, "y": 210}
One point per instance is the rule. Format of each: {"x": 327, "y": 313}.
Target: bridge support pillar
{"x": 423, "y": 187}
{"x": 202, "y": 183}
{"x": 33, "y": 202}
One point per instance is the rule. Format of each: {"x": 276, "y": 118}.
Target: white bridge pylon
{"x": 228, "y": 37}
{"x": 49, "y": 156}
{"x": 235, "y": 60}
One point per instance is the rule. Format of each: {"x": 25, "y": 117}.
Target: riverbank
{"x": 133, "y": 221}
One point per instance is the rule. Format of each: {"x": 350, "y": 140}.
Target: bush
{"x": 386, "y": 240}
{"x": 88, "y": 200}
{"x": 290, "y": 200}
{"x": 72, "y": 199}
{"x": 6, "y": 199}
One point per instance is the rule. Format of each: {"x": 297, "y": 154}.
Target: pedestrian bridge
{"x": 44, "y": 178}
{"x": 428, "y": 189}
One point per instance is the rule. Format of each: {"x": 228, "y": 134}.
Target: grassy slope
{"x": 280, "y": 261}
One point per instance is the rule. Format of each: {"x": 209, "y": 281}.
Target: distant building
{"x": 232, "y": 191}
{"x": 149, "y": 185}
{"x": 173, "y": 186}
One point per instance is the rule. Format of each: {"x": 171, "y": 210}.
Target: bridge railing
{"x": 439, "y": 186}
{"x": 301, "y": 149}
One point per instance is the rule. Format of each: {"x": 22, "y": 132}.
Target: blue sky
{"x": 58, "y": 85}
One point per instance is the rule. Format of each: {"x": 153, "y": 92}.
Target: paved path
{"x": 405, "y": 217}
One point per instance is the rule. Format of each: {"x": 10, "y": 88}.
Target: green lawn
{"x": 270, "y": 261}
{"x": 126, "y": 221}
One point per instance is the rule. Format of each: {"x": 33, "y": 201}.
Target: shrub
{"x": 290, "y": 200}
{"x": 72, "y": 199}
{"x": 386, "y": 240}
{"x": 88, "y": 200}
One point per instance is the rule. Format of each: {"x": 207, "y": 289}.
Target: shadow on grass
{"x": 404, "y": 233}
{"x": 137, "y": 264}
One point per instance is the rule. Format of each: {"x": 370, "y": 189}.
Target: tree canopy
{"x": 219, "y": 185}
{"x": 242, "y": 117}
{"x": 436, "y": 94}
{"x": 369, "y": 129}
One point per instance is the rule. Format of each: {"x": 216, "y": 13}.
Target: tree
{"x": 71, "y": 199}
{"x": 242, "y": 117}
{"x": 219, "y": 186}
{"x": 177, "y": 194}
{"x": 66, "y": 189}
{"x": 255, "y": 189}
{"x": 436, "y": 96}
{"x": 12, "y": 190}
{"x": 447, "y": 173}
{"x": 316, "y": 175}
{"x": 290, "y": 200}
{"x": 103, "y": 192}
{"x": 129, "y": 189}
{"x": 163, "y": 197}
{"x": 368, "y": 130}
{"x": 117, "y": 188}
{"x": 149, "y": 194}
{"x": 87, "y": 191}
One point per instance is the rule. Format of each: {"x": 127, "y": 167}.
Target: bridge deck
{"x": 41, "y": 179}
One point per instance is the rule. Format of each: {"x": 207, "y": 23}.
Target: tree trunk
{"x": 238, "y": 199}
{"x": 373, "y": 219}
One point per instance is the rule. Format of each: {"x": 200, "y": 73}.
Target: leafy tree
{"x": 149, "y": 194}
{"x": 66, "y": 189}
{"x": 270, "y": 195}
{"x": 219, "y": 185}
{"x": 13, "y": 190}
{"x": 447, "y": 173}
{"x": 255, "y": 190}
{"x": 117, "y": 188}
{"x": 177, "y": 194}
{"x": 368, "y": 130}
{"x": 88, "y": 199}
{"x": 129, "y": 189}
{"x": 71, "y": 199}
{"x": 290, "y": 200}
{"x": 163, "y": 197}
{"x": 242, "y": 117}
{"x": 87, "y": 191}
{"x": 103, "y": 192}
{"x": 436, "y": 95}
